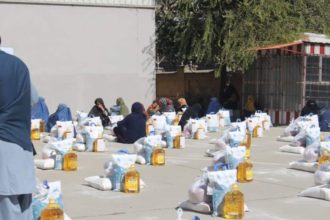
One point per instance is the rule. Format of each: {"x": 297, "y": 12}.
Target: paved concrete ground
{"x": 272, "y": 194}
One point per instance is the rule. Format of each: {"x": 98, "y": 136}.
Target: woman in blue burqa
{"x": 214, "y": 106}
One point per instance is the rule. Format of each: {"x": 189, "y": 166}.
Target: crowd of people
{"x": 133, "y": 126}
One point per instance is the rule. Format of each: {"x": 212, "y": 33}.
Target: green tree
{"x": 226, "y": 32}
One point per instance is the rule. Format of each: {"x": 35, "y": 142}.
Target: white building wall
{"x": 77, "y": 53}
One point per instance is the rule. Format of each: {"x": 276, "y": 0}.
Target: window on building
{"x": 326, "y": 69}
{"x": 313, "y": 69}
{"x": 318, "y": 92}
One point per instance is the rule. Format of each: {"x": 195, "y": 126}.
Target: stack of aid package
{"x": 37, "y": 129}
{"x": 150, "y": 148}
{"x": 321, "y": 176}
{"x": 235, "y": 135}
{"x": 224, "y": 117}
{"x": 116, "y": 173}
{"x": 295, "y": 126}
{"x": 44, "y": 192}
{"x": 297, "y": 131}
{"x": 258, "y": 123}
{"x": 207, "y": 194}
{"x": 53, "y": 154}
{"x": 89, "y": 134}
{"x": 212, "y": 122}
{"x": 165, "y": 126}
{"x": 195, "y": 129}
{"x": 309, "y": 139}
{"x": 109, "y": 134}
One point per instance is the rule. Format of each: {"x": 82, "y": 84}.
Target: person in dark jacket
{"x": 182, "y": 105}
{"x": 133, "y": 127}
{"x": 214, "y": 106}
{"x": 99, "y": 110}
{"x": 191, "y": 112}
{"x": 310, "y": 107}
{"x": 17, "y": 172}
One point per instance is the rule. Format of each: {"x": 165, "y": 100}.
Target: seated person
{"x": 214, "y": 106}
{"x": 99, "y": 110}
{"x": 153, "y": 108}
{"x": 310, "y": 107}
{"x": 229, "y": 96}
{"x": 250, "y": 107}
{"x": 165, "y": 105}
{"x": 133, "y": 127}
{"x": 120, "y": 108}
{"x": 182, "y": 105}
{"x": 191, "y": 112}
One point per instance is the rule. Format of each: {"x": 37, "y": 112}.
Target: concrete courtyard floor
{"x": 272, "y": 195}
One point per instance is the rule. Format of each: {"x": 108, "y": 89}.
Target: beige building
{"x": 78, "y": 50}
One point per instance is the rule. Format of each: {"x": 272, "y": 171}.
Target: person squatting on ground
{"x": 165, "y": 105}
{"x": 17, "y": 175}
{"x": 99, "y": 110}
{"x": 120, "y": 108}
{"x": 153, "y": 109}
{"x": 310, "y": 107}
{"x": 133, "y": 126}
{"x": 214, "y": 106}
{"x": 182, "y": 105}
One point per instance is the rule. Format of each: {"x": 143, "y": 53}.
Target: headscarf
{"x": 138, "y": 108}
{"x": 169, "y": 105}
{"x": 162, "y": 102}
{"x": 250, "y": 105}
{"x": 99, "y": 101}
{"x": 311, "y": 107}
{"x": 15, "y": 102}
{"x": 97, "y": 112}
{"x": 152, "y": 109}
{"x": 214, "y": 106}
{"x": 123, "y": 108}
{"x": 182, "y": 102}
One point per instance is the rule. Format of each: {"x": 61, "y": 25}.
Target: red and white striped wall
{"x": 302, "y": 48}
{"x": 317, "y": 49}
{"x": 282, "y": 117}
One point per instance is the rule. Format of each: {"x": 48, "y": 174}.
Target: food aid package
{"x": 219, "y": 184}
{"x": 100, "y": 183}
{"x": 92, "y": 133}
{"x": 45, "y": 191}
{"x": 65, "y": 129}
{"x": 224, "y": 117}
{"x": 170, "y": 116}
{"x": 115, "y": 169}
{"x": 114, "y": 119}
{"x": 159, "y": 123}
{"x": 213, "y": 123}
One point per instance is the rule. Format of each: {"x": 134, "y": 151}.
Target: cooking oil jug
{"x": 324, "y": 158}
{"x": 199, "y": 133}
{"x": 52, "y": 211}
{"x": 70, "y": 161}
{"x": 248, "y": 146}
{"x": 132, "y": 181}
{"x": 244, "y": 172}
{"x": 35, "y": 134}
{"x": 99, "y": 145}
{"x": 233, "y": 204}
{"x": 158, "y": 157}
{"x": 257, "y": 131}
{"x": 42, "y": 126}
